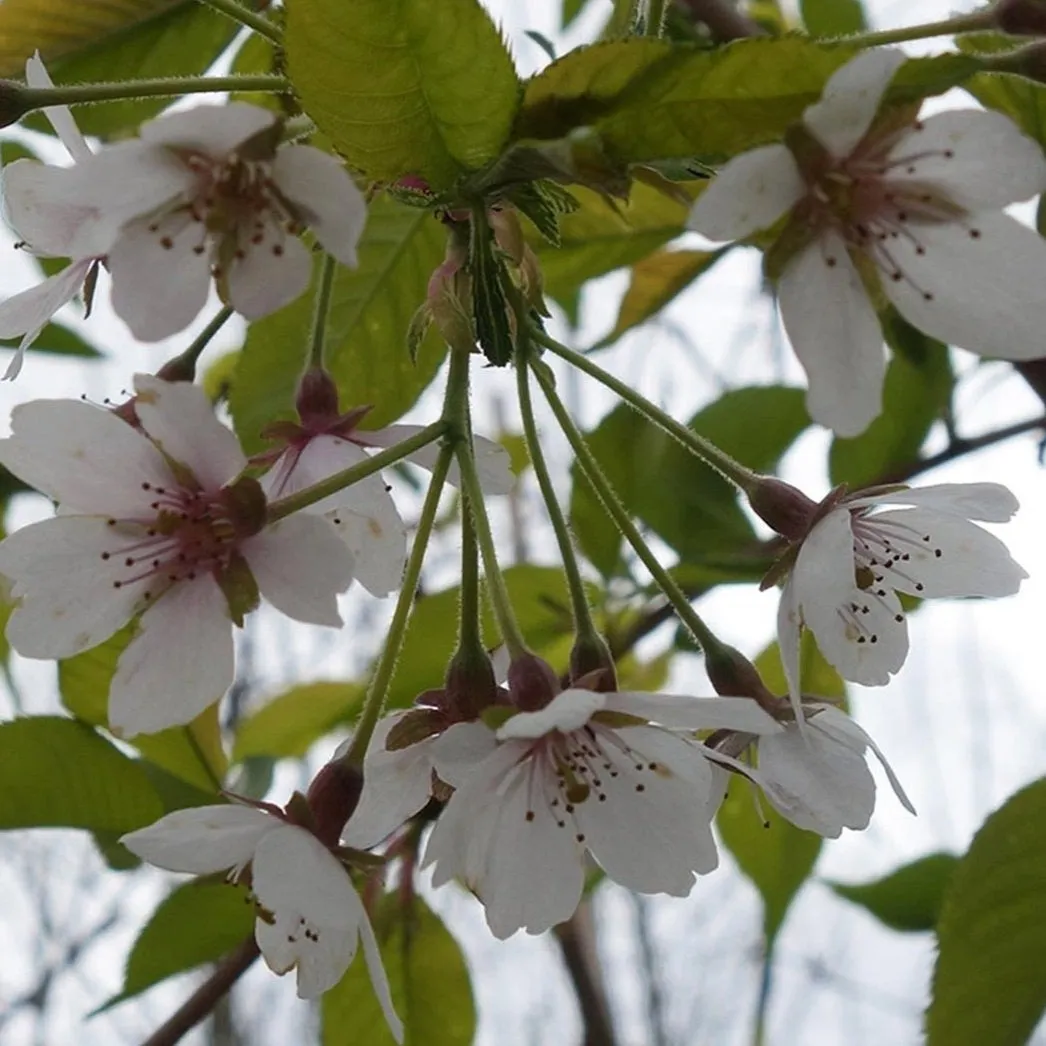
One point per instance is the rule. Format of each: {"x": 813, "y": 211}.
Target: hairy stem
{"x": 321, "y": 311}
{"x": 238, "y": 13}
{"x": 161, "y": 87}
{"x": 968, "y": 23}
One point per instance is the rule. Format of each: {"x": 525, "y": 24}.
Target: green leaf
{"x": 679, "y": 497}
{"x": 399, "y": 91}
{"x": 657, "y": 280}
{"x": 428, "y": 978}
{"x": 571, "y": 10}
{"x": 816, "y": 675}
{"x": 908, "y": 899}
{"x": 198, "y": 922}
{"x": 989, "y": 983}
{"x": 100, "y": 40}
{"x": 833, "y": 17}
{"x": 290, "y": 723}
{"x": 917, "y": 389}
{"x": 57, "y": 340}
{"x": 194, "y": 752}
{"x": 1021, "y": 99}
{"x": 57, "y": 773}
{"x": 371, "y": 309}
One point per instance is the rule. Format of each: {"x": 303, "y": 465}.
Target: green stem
{"x": 654, "y": 17}
{"x": 708, "y": 452}
{"x": 188, "y": 358}
{"x": 583, "y": 623}
{"x": 340, "y": 480}
{"x": 320, "y": 311}
{"x": 161, "y": 87}
{"x": 238, "y": 13}
{"x": 594, "y": 474}
{"x": 968, "y": 23}
{"x": 469, "y": 636}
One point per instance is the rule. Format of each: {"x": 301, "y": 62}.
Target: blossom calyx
{"x": 781, "y": 506}
{"x": 532, "y": 683}
{"x": 317, "y": 398}
{"x": 733, "y": 675}
{"x": 471, "y": 685}
{"x": 591, "y": 664}
{"x": 1019, "y": 17}
{"x": 333, "y": 795}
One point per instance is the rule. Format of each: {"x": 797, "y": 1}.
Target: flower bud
{"x": 784, "y": 507}
{"x": 332, "y": 797}
{"x": 531, "y": 682}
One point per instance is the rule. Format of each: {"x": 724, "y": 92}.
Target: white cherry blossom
{"x": 211, "y": 191}
{"x": 867, "y": 548}
{"x": 310, "y": 916}
{"x": 918, "y": 204}
{"x": 151, "y": 523}
{"x": 587, "y": 774}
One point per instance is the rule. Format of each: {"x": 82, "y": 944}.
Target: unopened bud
{"x": 784, "y": 507}
{"x": 591, "y": 661}
{"x": 332, "y": 797}
{"x": 532, "y": 683}
{"x": 1019, "y": 17}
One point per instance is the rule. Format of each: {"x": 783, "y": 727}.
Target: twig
{"x": 723, "y": 20}
{"x": 203, "y": 1000}
{"x": 584, "y": 973}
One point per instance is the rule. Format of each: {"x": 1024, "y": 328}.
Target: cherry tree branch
{"x": 583, "y": 968}
{"x": 203, "y": 1000}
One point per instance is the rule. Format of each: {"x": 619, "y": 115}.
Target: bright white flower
{"x": 587, "y": 773}
{"x": 310, "y": 917}
{"x": 817, "y": 776}
{"x": 150, "y": 522}
{"x": 856, "y": 558}
{"x": 212, "y": 192}
{"x": 920, "y": 204}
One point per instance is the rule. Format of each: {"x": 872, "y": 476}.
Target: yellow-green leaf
{"x": 401, "y": 88}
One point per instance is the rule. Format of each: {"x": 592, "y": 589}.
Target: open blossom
{"x": 214, "y": 193}
{"x": 586, "y": 774}
{"x": 309, "y": 915}
{"x": 153, "y": 521}
{"x": 917, "y": 206}
{"x": 866, "y": 548}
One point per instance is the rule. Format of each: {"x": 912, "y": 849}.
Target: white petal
{"x": 84, "y": 457}
{"x": 216, "y": 130}
{"x": 68, "y": 601}
{"x": 299, "y": 467}
{"x": 158, "y": 291}
{"x": 990, "y": 502}
{"x": 378, "y": 979}
{"x": 203, "y": 839}
{"x": 835, "y": 333}
{"x": 321, "y": 188}
{"x": 270, "y": 274}
{"x": 694, "y": 713}
{"x": 851, "y": 99}
{"x": 61, "y": 118}
{"x": 749, "y": 193}
{"x": 960, "y": 559}
{"x": 377, "y": 538}
{"x": 978, "y": 158}
{"x": 789, "y": 639}
{"x": 396, "y": 785}
{"x": 301, "y": 566}
{"x": 824, "y": 569}
{"x": 180, "y": 418}
{"x": 569, "y": 710}
{"x": 985, "y": 293}
{"x": 157, "y": 683}
{"x": 460, "y": 749}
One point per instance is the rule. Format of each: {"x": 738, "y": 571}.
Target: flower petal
{"x": 569, "y": 710}
{"x": 214, "y": 129}
{"x": 835, "y": 333}
{"x": 203, "y": 839}
{"x": 270, "y": 274}
{"x": 61, "y": 117}
{"x": 378, "y": 978}
{"x": 981, "y": 293}
{"x": 83, "y": 457}
{"x": 179, "y": 417}
{"x": 749, "y": 193}
{"x": 978, "y": 158}
{"x": 851, "y": 99}
{"x": 158, "y": 291}
{"x": 682, "y": 711}
{"x": 318, "y": 184}
{"x": 824, "y": 569}
{"x": 460, "y": 749}
{"x": 789, "y": 639}
{"x": 156, "y": 684}
{"x": 301, "y": 566}
{"x": 990, "y": 502}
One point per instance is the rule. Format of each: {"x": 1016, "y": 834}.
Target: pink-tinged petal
{"x": 789, "y": 639}
{"x": 180, "y": 660}
{"x": 749, "y": 193}
{"x": 989, "y": 502}
{"x": 61, "y": 118}
{"x": 270, "y": 274}
{"x": 320, "y": 187}
{"x": 569, "y": 710}
{"x": 158, "y": 291}
{"x": 980, "y": 292}
{"x": 179, "y": 417}
{"x": 216, "y": 130}
{"x": 203, "y": 839}
{"x": 83, "y": 457}
{"x": 835, "y": 333}
{"x": 684, "y": 712}
{"x": 851, "y": 99}
{"x": 396, "y": 785}
{"x": 301, "y": 467}
{"x": 301, "y": 565}
{"x": 958, "y": 559}
{"x": 378, "y": 978}
{"x": 979, "y": 159}
{"x": 68, "y": 600}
